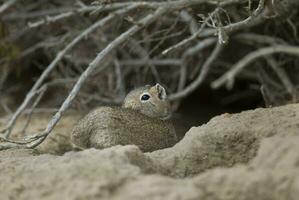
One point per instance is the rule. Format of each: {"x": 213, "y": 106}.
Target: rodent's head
{"x": 150, "y": 101}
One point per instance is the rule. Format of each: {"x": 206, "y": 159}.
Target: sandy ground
{"x": 250, "y": 155}
{"x": 59, "y": 140}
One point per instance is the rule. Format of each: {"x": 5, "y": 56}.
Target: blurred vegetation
{"x": 30, "y": 39}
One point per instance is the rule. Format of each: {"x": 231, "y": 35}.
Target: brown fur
{"x": 135, "y": 123}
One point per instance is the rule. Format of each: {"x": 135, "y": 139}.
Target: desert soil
{"x": 249, "y": 155}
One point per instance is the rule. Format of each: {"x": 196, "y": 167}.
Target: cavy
{"x": 142, "y": 120}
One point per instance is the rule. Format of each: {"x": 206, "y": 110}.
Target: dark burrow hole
{"x": 205, "y": 103}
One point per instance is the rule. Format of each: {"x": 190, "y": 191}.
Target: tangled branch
{"x": 228, "y": 77}
{"x": 140, "y": 42}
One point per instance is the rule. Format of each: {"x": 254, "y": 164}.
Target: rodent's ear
{"x": 161, "y": 91}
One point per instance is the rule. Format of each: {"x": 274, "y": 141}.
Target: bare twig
{"x": 193, "y": 27}
{"x": 96, "y": 62}
{"x": 228, "y": 77}
{"x": 190, "y": 52}
{"x": 36, "y": 102}
{"x": 158, "y": 62}
{"x": 120, "y": 83}
{"x": 38, "y": 138}
{"x": 187, "y": 40}
{"x": 7, "y": 5}
{"x": 254, "y": 19}
{"x": 54, "y": 63}
{"x": 138, "y": 49}
{"x": 252, "y": 38}
{"x": 41, "y": 93}
{"x": 61, "y": 13}
{"x": 282, "y": 75}
{"x": 82, "y": 10}
{"x": 183, "y": 74}
{"x": 202, "y": 75}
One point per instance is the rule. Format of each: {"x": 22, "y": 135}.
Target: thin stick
{"x": 99, "y": 59}
{"x": 186, "y": 40}
{"x": 36, "y": 102}
{"x": 282, "y": 75}
{"x": 120, "y": 82}
{"x": 254, "y": 19}
{"x": 190, "y": 52}
{"x": 229, "y": 76}
{"x": 86, "y": 9}
{"x": 35, "y": 140}
{"x": 54, "y": 63}
{"x": 96, "y": 62}
{"x": 202, "y": 75}
{"x": 161, "y": 62}
{"x": 7, "y": 5}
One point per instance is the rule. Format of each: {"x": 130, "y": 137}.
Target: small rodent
{"x": 142, "y": 120}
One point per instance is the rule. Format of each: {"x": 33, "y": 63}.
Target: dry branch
{"x": 202, "y": 75}
{"x": 282, "y": 75}
{"x": 54, "y": 63}
{"x": 96, "y": 62}
{"x": 6, "y": 5}
{"x": 35, "y": 140}
{"x": 229, "y": 77}
{"x": 175, "y": 26}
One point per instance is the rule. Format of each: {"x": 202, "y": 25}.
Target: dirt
{"x": 250, "y": 155}
{"x": 59, "y": 140}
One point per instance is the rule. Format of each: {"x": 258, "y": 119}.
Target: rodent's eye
{"x": 145, "y": 97}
